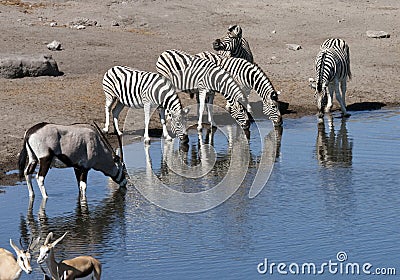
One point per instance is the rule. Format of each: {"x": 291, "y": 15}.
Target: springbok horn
{"x": 48, "y": 238}
{"x": 59, "y": 239}
{"x": 103, "y": 137}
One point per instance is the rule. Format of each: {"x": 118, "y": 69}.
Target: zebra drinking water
{"x": 250, "y": 76}
{"x": 233, "y": 44}
{"x": 332, "y": 67}
{"x": 139, "y": 89}
{"x": 190, "y": 73}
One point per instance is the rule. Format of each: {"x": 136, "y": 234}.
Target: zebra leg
{"x": 343, "y": 88}
{"x": 202, "y": 99}
{"x": 246, "y": 93}
{"x": 210, "y": 109}
{"x": 116, "y": 111}
{"x": 329, "y": 103}
{"x": 109, "y": 103}
{"x": 146, "y": 109}
{"x": 163, "y": 123}
{"x": 339, "y": 99}
{"x": 44, "y": 163}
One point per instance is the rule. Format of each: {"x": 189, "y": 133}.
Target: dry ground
{"x": 146, "y": 28}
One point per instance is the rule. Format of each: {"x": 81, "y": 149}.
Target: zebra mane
{"x": 321, "y": 69}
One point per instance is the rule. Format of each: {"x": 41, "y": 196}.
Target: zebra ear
{"x": 312, "y": 82}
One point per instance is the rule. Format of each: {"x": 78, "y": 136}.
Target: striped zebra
{"x": 332, "y": 68}
{"x": 139, "y": 89}
{"x": 189, "y": 73}
{"x": 233, "y": 44}
{"x": 250, "y": 76}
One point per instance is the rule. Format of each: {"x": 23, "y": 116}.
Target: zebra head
{"x": 178, "y": 124}
{"x": 271, "y": 108}
{"x": 231, "y": 41}
{"x": 320, "y": 95}
{"x": 239, "y": 113}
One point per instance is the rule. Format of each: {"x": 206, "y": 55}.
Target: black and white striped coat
{"x": 233, "y": 44}
{"x": 332, "y": 68}
{"x": 140, "y": 89}
{"x": 250, "y": 76}
{"x": 190, "y": 73}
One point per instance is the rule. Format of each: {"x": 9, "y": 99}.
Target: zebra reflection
{"x": 334, "y": 148}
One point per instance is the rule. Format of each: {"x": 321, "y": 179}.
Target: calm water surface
{"x": 333, "y": 189}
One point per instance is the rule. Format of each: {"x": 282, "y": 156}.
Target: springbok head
{"x": 24, "y": 255}
{"x": 47, "y": 247}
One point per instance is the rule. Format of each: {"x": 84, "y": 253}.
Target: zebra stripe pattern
{"x": 332, "y": 68}
{"x": 250, "y": 76}
{"x": 189, "y": 73}
{"x": 139, "y": 89}
{"x": 233, "y": 44}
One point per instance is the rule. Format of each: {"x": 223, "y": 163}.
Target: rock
{"x": 114, "y": 23}
{"x": 83, "y": 22}
{"x": 293, "y": 47}
{"x": 18, "y": 66}
{"x": 53, "y": 24}
{"x": 377, "y": 34}
{"x": 54, "y": 46}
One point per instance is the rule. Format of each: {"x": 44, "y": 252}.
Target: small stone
{"x": 114, "y": 23}
{"x": 79, "y": 27}
{"x": 54, "y": 46}
{"x": 293, "y": 47}
{"x": 273, "y": 31}
{"x": 52, "y": 24}
{"x": 377, "y": 34}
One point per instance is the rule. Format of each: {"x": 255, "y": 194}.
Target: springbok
{"x": 81, "y": 146}
{"x": 11, "y": 267}
{"x": 82, "y": 267}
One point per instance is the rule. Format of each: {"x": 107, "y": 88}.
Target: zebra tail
{"x": 22, "y": 160}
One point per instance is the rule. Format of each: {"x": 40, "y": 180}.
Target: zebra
{"x": 233, "y": 44}
{"x": 332, "y": 67}
{"x": 140, "y": 89}
{"x": 190, "y": 73}
{"x": 250, "y": 76}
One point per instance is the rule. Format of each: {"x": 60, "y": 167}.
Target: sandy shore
{"x": 134, "y": 33}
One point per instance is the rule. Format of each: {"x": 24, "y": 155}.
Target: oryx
{"x": 81, "y": 146}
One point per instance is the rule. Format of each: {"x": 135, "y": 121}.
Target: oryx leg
{"x": 146, "y": 109}
{"x": 343, "y": 87}
{"x": 115, "y": 112}
{"x": 210, "y": 109}
{"x": 202, "y": 100}
{"x": 44, "y": 163}
{"x": 30, "y": 168}
{"x": 81, "y": 178}
{"x": 109, "y": 103}
{"x": 164, "y": 125}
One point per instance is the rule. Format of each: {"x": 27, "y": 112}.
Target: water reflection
{"x": 334, "y": 151}
{"x": 86, "y": 227}
{"x": 334, "y": 147}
